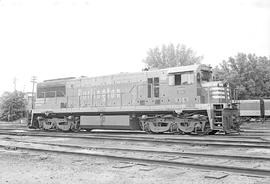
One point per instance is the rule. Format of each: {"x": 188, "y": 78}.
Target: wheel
{"x": 63, "y": 125}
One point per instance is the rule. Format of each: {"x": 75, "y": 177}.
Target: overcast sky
{"x": 62, "y": 38}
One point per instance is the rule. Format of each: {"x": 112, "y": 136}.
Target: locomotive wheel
{"x": 185, "y": 125}
{"x": 63, "y": 125}
{"x": 159, "y": 125}
{"x": 43, "y": 123}
{"x": 48, "y": 124}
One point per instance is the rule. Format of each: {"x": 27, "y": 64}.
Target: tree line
{"x": 12, "y": 106}
{"x": 248, "y": 73}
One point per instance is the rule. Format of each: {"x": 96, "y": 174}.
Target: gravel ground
{"x": 24, "y": 167}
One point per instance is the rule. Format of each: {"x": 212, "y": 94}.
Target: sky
{"x": 71, "y": 38}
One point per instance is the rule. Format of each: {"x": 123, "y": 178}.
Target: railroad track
{"x": 233, "y": 136}
{"x": 214, "y": 138}
{"x": 256, "y": 131}
{"x": 233, "y": 157}
{"x": 248, "y": 134}
{"x": 187, "y": 141}
{"x": 192, "y": 138}
{"x": 81, "y": 132}
{"x": 141, "y": 156}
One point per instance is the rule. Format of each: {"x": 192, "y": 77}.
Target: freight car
{"x": 256, "y": 109}
{"x": 179, "y": 99}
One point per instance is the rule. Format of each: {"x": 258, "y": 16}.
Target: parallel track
{"x": 57, "y": 149}
{"x": 202, "y": 142}
{"x": 233, "y": 157}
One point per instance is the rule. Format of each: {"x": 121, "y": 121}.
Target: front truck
{"x": 214, "y": 109}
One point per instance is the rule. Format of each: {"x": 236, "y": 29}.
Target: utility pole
{"x": 33, "y": 80}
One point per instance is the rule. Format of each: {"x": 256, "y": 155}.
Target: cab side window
{"x": 187, "y": 78}
{"x": 182, "y": 78}
{"x": 177, "y": 79}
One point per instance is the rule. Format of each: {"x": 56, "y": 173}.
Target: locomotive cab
{"x": 205, "y": 97}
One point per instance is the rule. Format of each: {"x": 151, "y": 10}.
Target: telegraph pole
{"x": 33, "y": 80}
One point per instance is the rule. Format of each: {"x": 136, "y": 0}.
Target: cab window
{"x": 184, "y": 78}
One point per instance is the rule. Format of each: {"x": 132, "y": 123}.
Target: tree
{"x": 12, "y": 105}
{"x": 171, "y": 56}
{"x": 249, "y": 73}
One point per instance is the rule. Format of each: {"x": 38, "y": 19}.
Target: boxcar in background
{"x": 256, "y": 109}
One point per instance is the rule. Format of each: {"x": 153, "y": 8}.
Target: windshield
{"x": 206, "y": 75}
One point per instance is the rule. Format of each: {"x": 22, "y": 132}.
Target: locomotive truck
{"x": 180, "y": 99}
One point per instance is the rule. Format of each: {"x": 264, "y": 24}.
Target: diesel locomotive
{"x": 180, "y": 99}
